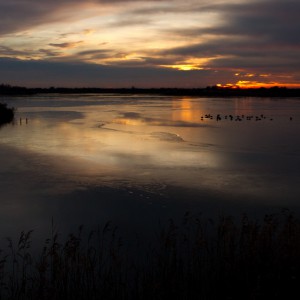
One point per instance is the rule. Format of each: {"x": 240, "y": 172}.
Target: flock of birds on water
{"x": 239, "y": 118}
{"x": 218, "y": 118}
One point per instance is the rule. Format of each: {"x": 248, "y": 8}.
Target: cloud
{"x": 274, "y": 21}
{"x": 91, "y": 55}
{"x": 7, "y": 51}
{"x": 46, "y": 73}
{"x": 255, "y": 35}
{"x": 144, "y": 61}
{"x": 10, "y": 52}
{"x": 88, "y": 31}
{"x": 19, "y": 15}
{"x": 49, "y": 53}
{"x": 142, "y": 38}
{"x": 22, "y": 14}
{"x": 66, "y": 45}
{"x": 93, "y": 52}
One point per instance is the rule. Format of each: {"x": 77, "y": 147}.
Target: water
{"x": 136, "y": 159}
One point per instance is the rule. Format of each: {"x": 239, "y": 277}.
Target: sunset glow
{"x": 149, "y": 43}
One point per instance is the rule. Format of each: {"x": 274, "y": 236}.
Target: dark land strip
{"x": 210, "y": 91}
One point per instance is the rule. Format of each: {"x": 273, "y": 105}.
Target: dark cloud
{"x": 18, "y": 15}
{"x": 259, "y": 65}
{"x": 94, "y": 54}
{"x": 45, "y": 73}
{"x": 199, "y": 6}
{"x": 144, "y": 61}
{"x": 235, "y": 47}
{"x": 270, "y": 21}
{"x": 10, "y": 52}
{"x": 49, "y": 53}
{"x": 130, "y": 20}
{"x": 65, "y": 45}
{"x": 7, "y": 51}
{"x": 256, "y": 35}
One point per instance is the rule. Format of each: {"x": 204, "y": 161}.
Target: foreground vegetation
{"x": 6, "y": 114}
{"x": 197, "y": 259}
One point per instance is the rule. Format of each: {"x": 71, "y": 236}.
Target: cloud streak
{"x": 219, "y": 38}
{"x": 66, "y": 45}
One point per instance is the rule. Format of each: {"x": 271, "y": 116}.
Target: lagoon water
{"x": 135, "y": 160}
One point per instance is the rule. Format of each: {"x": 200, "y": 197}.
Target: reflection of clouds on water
{"x": 161, "y": 138}
{"x": 60, "y": 116}
{"x": 187, "y": 110}
{"x": 89, "y": 159}
{"x": 133, "y": 118}
{"x": 107, "y": 147}
{"x": 167, "y": 136}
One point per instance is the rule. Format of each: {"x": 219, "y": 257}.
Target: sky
{"x": 154, "y": 43}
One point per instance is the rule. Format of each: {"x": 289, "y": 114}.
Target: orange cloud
{"x": 258, "y": 84}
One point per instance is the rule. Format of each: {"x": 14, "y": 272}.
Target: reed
{"x": 198, "y": 258}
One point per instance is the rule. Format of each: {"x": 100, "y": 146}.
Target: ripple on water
{"x": 167, "y": 136}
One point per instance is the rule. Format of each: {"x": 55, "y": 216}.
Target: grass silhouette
{"x": 196, "y": 259}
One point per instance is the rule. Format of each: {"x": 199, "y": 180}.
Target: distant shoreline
{"x": 212, "y": 91}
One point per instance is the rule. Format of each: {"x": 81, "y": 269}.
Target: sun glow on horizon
{"x": 187, "y": 110}
{"x": 247, "y": 84}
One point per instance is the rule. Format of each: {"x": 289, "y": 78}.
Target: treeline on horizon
{"x": 210, "y": 91}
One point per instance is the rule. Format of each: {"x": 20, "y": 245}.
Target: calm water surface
{"x": 134, "y": 159}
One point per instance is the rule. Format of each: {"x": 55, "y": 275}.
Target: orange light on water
{"x": 187, "y": 110}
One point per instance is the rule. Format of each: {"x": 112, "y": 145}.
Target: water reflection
{"x": 156, "y": 133}
{"x": 154, "y": 149}
{"x": 244, "y": 107}
{"x": 187, "y": 110}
